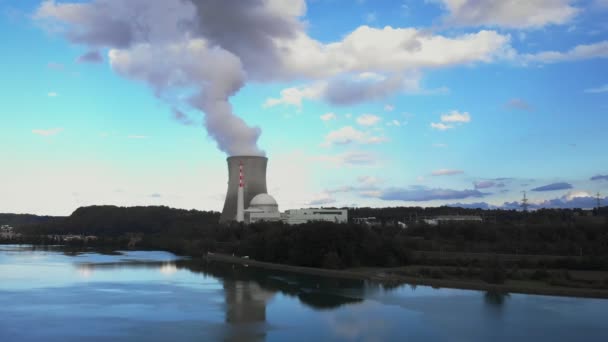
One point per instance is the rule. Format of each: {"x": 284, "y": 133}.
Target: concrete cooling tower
{"x": 254, "y": 182}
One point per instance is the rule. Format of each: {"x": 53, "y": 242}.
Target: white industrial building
{"x": 452, "y": 218}
{"x": 264, "y": 207}
{"x": 298, "y": 216}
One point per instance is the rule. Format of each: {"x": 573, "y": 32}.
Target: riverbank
{"x": 388, "y": 275}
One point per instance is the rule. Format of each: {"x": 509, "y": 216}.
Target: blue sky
{"x": 365, "y": 103}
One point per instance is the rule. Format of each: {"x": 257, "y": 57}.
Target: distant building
{"x": 452, "y": 218}
{"x": 367, "y": 221}
{"x": 7, "y": 232}
{"x": 262, "y": 207}
{"x": 298, "y": 216}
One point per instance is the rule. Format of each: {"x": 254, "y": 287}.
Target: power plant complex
{"x": 248, "y": 201}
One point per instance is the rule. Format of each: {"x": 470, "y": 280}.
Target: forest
{"x": 572, "y": 234}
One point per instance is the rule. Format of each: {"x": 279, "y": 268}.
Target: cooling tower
{"x": 254, "y": 177}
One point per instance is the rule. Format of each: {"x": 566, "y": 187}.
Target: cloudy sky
{"x": 356, "y": 103}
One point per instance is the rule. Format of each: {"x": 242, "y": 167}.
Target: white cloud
{"x": 47, "y": 132}
{"x": 322, "y": 198}
{"x": 455, "y": 116}
{"x": 328, "y": 116}
{"x": 368, "y": 120}
{"x": 295, "y": 95}
{"x": 389, "y": 50}
{"x": 394, "y": 123}
{"x": 389, "y": 108}
{"x": 52, "y": 94}
{"x": 601, "y": 89}
{"x": 451, "y": 117}
{"x": 576, "y": 194}
{"x": 509, "y": 13}
{"x": 579, "y": 52}
{"x": 446, "y": 172}
{"x": 348, "y": 134}
{"x": 440, "y": 126}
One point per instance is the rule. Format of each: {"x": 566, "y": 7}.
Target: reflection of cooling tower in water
{"x": 254, "y": 182}
{"x": 246, "y": 302}
{"x": 246, "y": 310}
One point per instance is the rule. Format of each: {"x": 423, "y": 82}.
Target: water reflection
{"x": 495, "y": 298}
{"x": 129, "y": 296}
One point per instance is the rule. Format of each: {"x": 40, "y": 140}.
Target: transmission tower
{"x": 524, "y": 203}
{"x": 598, "y": 199}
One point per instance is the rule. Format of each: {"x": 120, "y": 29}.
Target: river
{"x": 50, "y": 294}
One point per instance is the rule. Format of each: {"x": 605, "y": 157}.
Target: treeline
{"x": 114, "y": 221}
{"x": 542, "y": 216}
{"x": 17, "y": 220}
{"x": 324, "y": 244}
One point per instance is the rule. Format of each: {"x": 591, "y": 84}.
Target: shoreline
{"x": 378, "y": 275}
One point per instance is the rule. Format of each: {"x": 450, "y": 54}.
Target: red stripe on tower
{"x": 240, "y": 175}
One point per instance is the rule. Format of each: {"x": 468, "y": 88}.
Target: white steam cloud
{"x": 209, "y": 49}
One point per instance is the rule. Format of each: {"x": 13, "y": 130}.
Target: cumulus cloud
{"x": 518, "y": 104}
{"x": 554, "y": 186}
{"x": 328, "y": 116}
{"x": 448, "y": 119}
{"x": 455, "y": 116}
{"x": 47, "y": 132}
{"x": 295, "y": 95}
{"x": 601, "y": 89}
{"x": 440, "y": 126}
{"x": 599, "y": 178}
{"x": 93, "y": 56}
{"x": 347, "y": 90}
{"x": 579, "y": 52}
{"x": 212, "y": 48}
{"x": 509, "y": 13}
{"x": 446, "y": 172}
{"x": 368, "y": 119}
{"x": 348, "y": 134}
{"x": 421, "y": 194}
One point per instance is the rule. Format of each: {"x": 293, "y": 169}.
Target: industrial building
{"x": 247, "y": 199}
{"x": 452, "y": 218}
{"x": 298, "y": 216}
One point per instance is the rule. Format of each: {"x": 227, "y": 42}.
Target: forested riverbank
{"x": 546, "y": 249}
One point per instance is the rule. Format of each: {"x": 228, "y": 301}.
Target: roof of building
{"x": 263, "y": 200}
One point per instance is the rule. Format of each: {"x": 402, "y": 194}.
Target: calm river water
{"x": 53, "y": 295}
